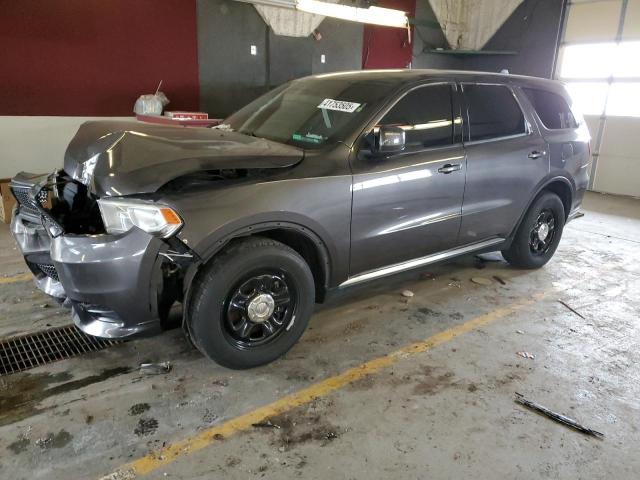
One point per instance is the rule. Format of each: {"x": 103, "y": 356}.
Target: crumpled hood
{"x": 124, "y": 157}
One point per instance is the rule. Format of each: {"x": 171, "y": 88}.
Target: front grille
{"x": 30, "y": 351}
{"x": 25, "y": 202}
{"x": 49, "y": 270}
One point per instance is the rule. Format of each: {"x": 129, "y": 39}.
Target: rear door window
{"x": 426, "y": 116}
{"x": 493, "y": 112}
{"x": 553, "y": 110}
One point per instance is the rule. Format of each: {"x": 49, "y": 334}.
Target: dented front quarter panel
{"x": 313, "y": 198}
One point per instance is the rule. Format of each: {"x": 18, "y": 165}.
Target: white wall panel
{"x": 631, "y": 29}
{"x": 36, "y": 144}
{"x": 592, "y": 124}
{"x": 616, "y": 158}
{"x": 593, "y": 21}
{"x": 618, "y": 168}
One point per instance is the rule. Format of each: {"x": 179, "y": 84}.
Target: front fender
{"x": 216, "y": 241}
{"x": 212, "y": 243}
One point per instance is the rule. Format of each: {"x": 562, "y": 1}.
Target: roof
{"x": 413, "y": 75}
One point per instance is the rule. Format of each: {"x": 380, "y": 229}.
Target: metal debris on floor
{"x": 266, "y": 424}
{"x": 499, "y": 280}
{"x": 557, "y": 416}
{"x": 528, "y": 355}
{"x": 155, "y": 368}
{"x": 481, "y": 280}
{"x": 571, "y": 309}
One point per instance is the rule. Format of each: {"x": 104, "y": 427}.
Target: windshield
{"x": 311, "y": 112}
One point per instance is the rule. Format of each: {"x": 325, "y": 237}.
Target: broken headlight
{"x": 121, "y": 215}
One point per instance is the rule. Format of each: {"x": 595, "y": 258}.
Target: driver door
{"x": 408, "y": 204}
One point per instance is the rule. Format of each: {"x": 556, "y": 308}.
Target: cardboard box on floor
{"x": 7, "y": 201}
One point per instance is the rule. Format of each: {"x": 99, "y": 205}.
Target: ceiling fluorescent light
{"x": 373, "y": 15}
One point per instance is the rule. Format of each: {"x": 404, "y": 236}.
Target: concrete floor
{"x": 445, "y": 412}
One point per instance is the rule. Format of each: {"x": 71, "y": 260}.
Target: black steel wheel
{"x": 259, "y": 309}
{"x": 539, "y": 233}
{"x": 251, "y": 303}
{"x": 543, "y": 232}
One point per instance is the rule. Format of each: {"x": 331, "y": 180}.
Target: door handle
{"x": 535, "y": 154}
{"x": 448, "y": 168}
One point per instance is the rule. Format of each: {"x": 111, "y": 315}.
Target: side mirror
{"x": 389, "y": 140}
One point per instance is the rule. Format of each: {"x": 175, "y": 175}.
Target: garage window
{"x": 552, "y": 109}
{"x": 493, "y": 112}
{"x": 426, "y": 116}
{"x": 603, "y": 78}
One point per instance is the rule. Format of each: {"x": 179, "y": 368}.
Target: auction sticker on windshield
{"x": 339, "y": 105}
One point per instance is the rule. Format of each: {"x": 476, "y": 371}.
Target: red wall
{"x": 385, "y": 47}
{"x": 95, "y": 57}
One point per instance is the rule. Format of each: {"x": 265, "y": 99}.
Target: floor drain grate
{"x": 30, "y": 351}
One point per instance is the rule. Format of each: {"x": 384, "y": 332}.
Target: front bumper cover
{"x": 34, "y": 243}
{"x": 109, "y": 280}
{"x": 112, "y": 282}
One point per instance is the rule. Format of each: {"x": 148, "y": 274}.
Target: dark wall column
{"x": 531, "y": 31}
{"x": 231, "y": 77}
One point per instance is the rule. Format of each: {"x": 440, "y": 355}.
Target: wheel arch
{"x": 304, "y": 240}
{"x": 562, "y": 188}
{"x": 559, "y": 185}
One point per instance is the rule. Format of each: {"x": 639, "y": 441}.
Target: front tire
{"x": 251, "y": 304}
{"x": 539, "y": 233}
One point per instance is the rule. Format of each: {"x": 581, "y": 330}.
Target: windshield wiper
{"x": 250, "y": 134}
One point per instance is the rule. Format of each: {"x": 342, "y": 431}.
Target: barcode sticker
{"x": 339, "y": 105}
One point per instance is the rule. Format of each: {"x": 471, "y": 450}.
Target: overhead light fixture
{"x": 387, "y": 17}
{"x": 373, "y": 15}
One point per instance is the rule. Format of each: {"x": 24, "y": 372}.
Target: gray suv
{"x": 325, "y": 182}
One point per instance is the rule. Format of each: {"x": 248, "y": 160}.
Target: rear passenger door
{"x": 506, "y": 159}
{"x": 567, "y": 139}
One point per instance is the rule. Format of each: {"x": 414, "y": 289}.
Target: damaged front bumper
{"x": 107, "y": 279}
{"x": 34, "y": 243}
{"x": 117, "y": 285}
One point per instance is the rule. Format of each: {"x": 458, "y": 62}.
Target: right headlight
{"x": 121, "y": 215}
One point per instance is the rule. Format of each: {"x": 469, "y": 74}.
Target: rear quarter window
{"x": 493, "y": 112}
{"x": 553, "y": 110}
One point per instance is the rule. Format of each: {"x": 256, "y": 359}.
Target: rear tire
{"x": 539, "y": 233}
{"x": 251, "y": 304}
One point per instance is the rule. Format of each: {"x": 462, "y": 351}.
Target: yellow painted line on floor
{"x": 204, "y": 438}
{"x": 23, "y": 277}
